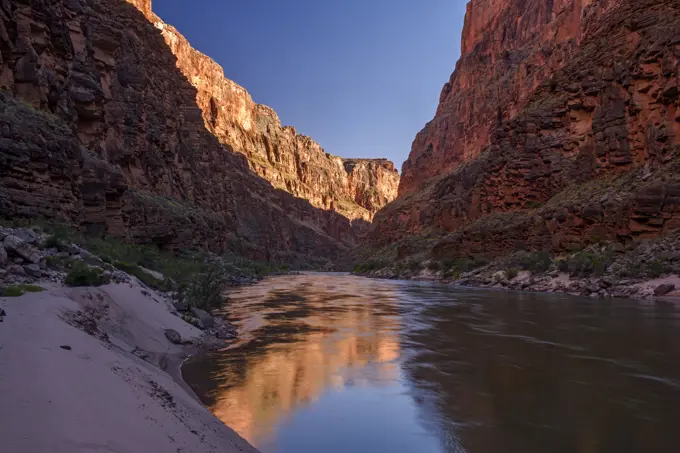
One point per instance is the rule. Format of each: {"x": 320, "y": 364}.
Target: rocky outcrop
{"x": 582, "y": 148}
{"x": 290, "y": 161}
{"x": 110, "y": 121}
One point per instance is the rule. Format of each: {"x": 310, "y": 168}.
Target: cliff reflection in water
{"x": 298, "y": 341}
{"x": 337, "y": 364}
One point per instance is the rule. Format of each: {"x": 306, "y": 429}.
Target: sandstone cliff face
{"x": 509, "y": 47}
{"x": 290, "y": 161}
{"x": 99, "y": 127}
{"x": 585, "y": 149}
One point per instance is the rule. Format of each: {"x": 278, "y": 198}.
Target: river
{"x": 332, "y": 363}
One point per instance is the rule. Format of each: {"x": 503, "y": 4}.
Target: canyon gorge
{"x": 559, "y": 129}
{"x": 111, "y": 121}
{"x": 154, "y": 219}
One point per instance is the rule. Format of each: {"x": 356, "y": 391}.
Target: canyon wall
{"x": 290, "y": 161}
{"x": 559, "y": 128}
{"x": 100, "y": 127}
{"x": 508, "y": 48}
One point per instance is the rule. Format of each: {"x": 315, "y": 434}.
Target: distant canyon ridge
{"x": 110, "y": 120}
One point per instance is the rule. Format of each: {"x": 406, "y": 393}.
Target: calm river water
{"x": 330, "y": 363}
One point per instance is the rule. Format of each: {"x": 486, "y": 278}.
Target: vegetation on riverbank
{"x": 195, "y": 277}
{"x": 20, "y": 290}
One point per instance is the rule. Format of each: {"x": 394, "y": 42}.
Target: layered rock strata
{"x": 574, "y": 111}
{"x": 110, "y": 121}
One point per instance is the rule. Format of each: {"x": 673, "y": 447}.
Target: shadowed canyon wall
{"x": 109, "y": 120}
{"x": 559, "y": 128}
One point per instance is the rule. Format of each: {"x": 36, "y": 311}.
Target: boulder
{"x": 173, "y": 336}
{"x": 206, "y": 318}
{"x": 3, "y": 256}
{"x": 14, "y": 244}
{"x": 28, "y": 236}
{"x": 194, "y": 322}
{"x": 33, "y": 270}
{"x": 16, "y": 269}
{"x": 181, "y": 306}
{"x": 69, "y": 249}
{"x": 664, "y": 289}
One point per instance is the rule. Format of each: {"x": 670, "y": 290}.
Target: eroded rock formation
{"x": 509, "y": 47}
{"x": 290, "y": 161}
{"x": 559, "y": 128}
{"x": 108, "y": 119}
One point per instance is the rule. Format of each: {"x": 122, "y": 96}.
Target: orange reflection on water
{"x": 266, "y": 382}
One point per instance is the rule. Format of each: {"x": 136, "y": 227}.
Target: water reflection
{"x": 337, "y": 363}
{"x": 301, "y": 337}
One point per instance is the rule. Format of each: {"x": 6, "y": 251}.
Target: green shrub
{"x": 142, "y": 275}
{"x": 511, "y": 273}
{"x": 586, "y": 264}
{"x": 31, "y": 288}
{"x": 83, "y": 275}
{"x": 563, "y": 265}
{"x": 204, "y": 291}
{"x": 414, "y": 265}
{"x": 453, "y": 274}
{"x": 657, "y": 268}
{"x": 369, "y": 266}
{"x": 20, "y": 290}
{"x": 52, "y": 242}
{"x": 462, "y": 265}
{"x": 536, "y": 262}
{"x": 12, "y": 291}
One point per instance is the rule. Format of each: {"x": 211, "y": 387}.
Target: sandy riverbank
{"x": 90, "y": 370}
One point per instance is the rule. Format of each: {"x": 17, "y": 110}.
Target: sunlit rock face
{"x": 113, "y": 122}
{"x": 290, "y": 161}
{"x": 559, "y": 128}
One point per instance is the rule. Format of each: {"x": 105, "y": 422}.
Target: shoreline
{"x": 643, "y": 289}
{"x": 91, "y": 369}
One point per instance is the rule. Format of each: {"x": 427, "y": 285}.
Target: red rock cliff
{"x": 290, "y": 161}
{"x": 508, "y": 48}
{"x": 100, "y": 127}
{"x": 559, "y": 128}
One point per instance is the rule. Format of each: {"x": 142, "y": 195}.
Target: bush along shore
{"x": 35, "y": 256}
{"x": 644, "y": 270}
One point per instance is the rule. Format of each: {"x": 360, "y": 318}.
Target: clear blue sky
{"x": 361, "y": 77}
